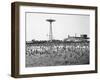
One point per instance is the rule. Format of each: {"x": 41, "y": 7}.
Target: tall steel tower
{"x": 50, "y": 32}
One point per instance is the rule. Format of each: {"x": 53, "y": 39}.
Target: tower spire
{"x": 50, "y": 32}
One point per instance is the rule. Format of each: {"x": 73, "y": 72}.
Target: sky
{"x": 66, "y": 24}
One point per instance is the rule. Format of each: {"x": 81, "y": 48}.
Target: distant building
{"x": 82, "y": 37}
{"x": 29, "y": 42}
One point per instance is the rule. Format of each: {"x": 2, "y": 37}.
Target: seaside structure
{"x": 50, "y": 32}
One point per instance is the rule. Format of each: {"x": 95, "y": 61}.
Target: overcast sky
{"x": 38, "y": 28}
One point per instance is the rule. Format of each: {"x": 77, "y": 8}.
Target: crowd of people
{"x": 57, "y": 54}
